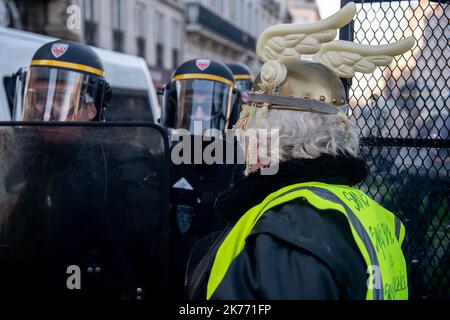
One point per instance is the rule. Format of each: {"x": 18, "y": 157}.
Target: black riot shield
{"x": 84, "y": 211}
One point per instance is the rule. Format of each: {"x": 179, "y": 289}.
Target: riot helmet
{"x": 244, "y": 83}
{"x": 201, "y": 91}
{"x": 242, "y": 75}
{"x": 65, "y": 82}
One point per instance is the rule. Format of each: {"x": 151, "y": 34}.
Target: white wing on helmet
{"x": 345, "y": 58}
{"x": 286, "y": 43}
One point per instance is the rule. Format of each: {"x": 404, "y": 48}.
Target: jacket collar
{"x": 253, "y": 189}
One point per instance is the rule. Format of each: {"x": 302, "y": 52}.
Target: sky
{"x": 328, "y": 7}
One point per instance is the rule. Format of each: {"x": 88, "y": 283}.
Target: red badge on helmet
{"x": 202, "y": 64}
{"x": 58, "y": 49}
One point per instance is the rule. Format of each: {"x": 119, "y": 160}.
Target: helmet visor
{"x": 202, "y": 105}
{"x": 52, "y": 94}
{"x": 244, "y": 85}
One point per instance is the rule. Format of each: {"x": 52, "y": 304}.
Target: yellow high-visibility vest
{"x": 377, "y": 232}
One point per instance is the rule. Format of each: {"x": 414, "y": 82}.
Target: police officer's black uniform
{"x": 199, "y": 97}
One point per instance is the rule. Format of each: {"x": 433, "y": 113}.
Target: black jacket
{"x": 294, "y": 251}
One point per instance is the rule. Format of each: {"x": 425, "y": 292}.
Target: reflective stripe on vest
{"x": 377, "y": 232}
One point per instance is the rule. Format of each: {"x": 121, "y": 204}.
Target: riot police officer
{"x": 244, "y": 83}
{"x": 243, "y": 76}
{"x": 199, "y": 98}
{"x": 200, "y": 90}
{"x": 83, "y": 195}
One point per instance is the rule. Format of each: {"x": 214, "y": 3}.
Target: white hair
{"x": 306, "y": 135}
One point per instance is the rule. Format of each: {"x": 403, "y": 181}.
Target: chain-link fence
{"x": 403, "y": 113}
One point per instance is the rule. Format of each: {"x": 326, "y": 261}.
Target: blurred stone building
{"x": 303, "y": 11}
{"x": 163, "y": 32}
{"x": 227, "y": 30}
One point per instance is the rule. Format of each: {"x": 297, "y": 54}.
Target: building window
{"x": 90, "y": 26}
{"x": 249, "y": 14}
{"x": 218, "y": 6}
{"x": 117, "y": 14}
{"x": 141, "y": 11}
{"x": 232, "y": 10}
{"x": 175, "y": 58}
{"x": 141, "y": 43}
{"x": 176, "y": 42}
{"x": 256, "y": 23}
{"x": 159, "y": 55}
{"x": 140, "y": 14}
{"x": 118, "y": 40}
{"x": 192, "y": 14}
{"x": 89, "y": 10}
{"x": 241, "y": 13}
{"x": 117, "y": 25}
{"x": 90, "y": 33}
{"x": 159, "y": 36}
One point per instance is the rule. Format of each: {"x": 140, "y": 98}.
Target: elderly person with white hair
{"x": 305, "y": 232}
